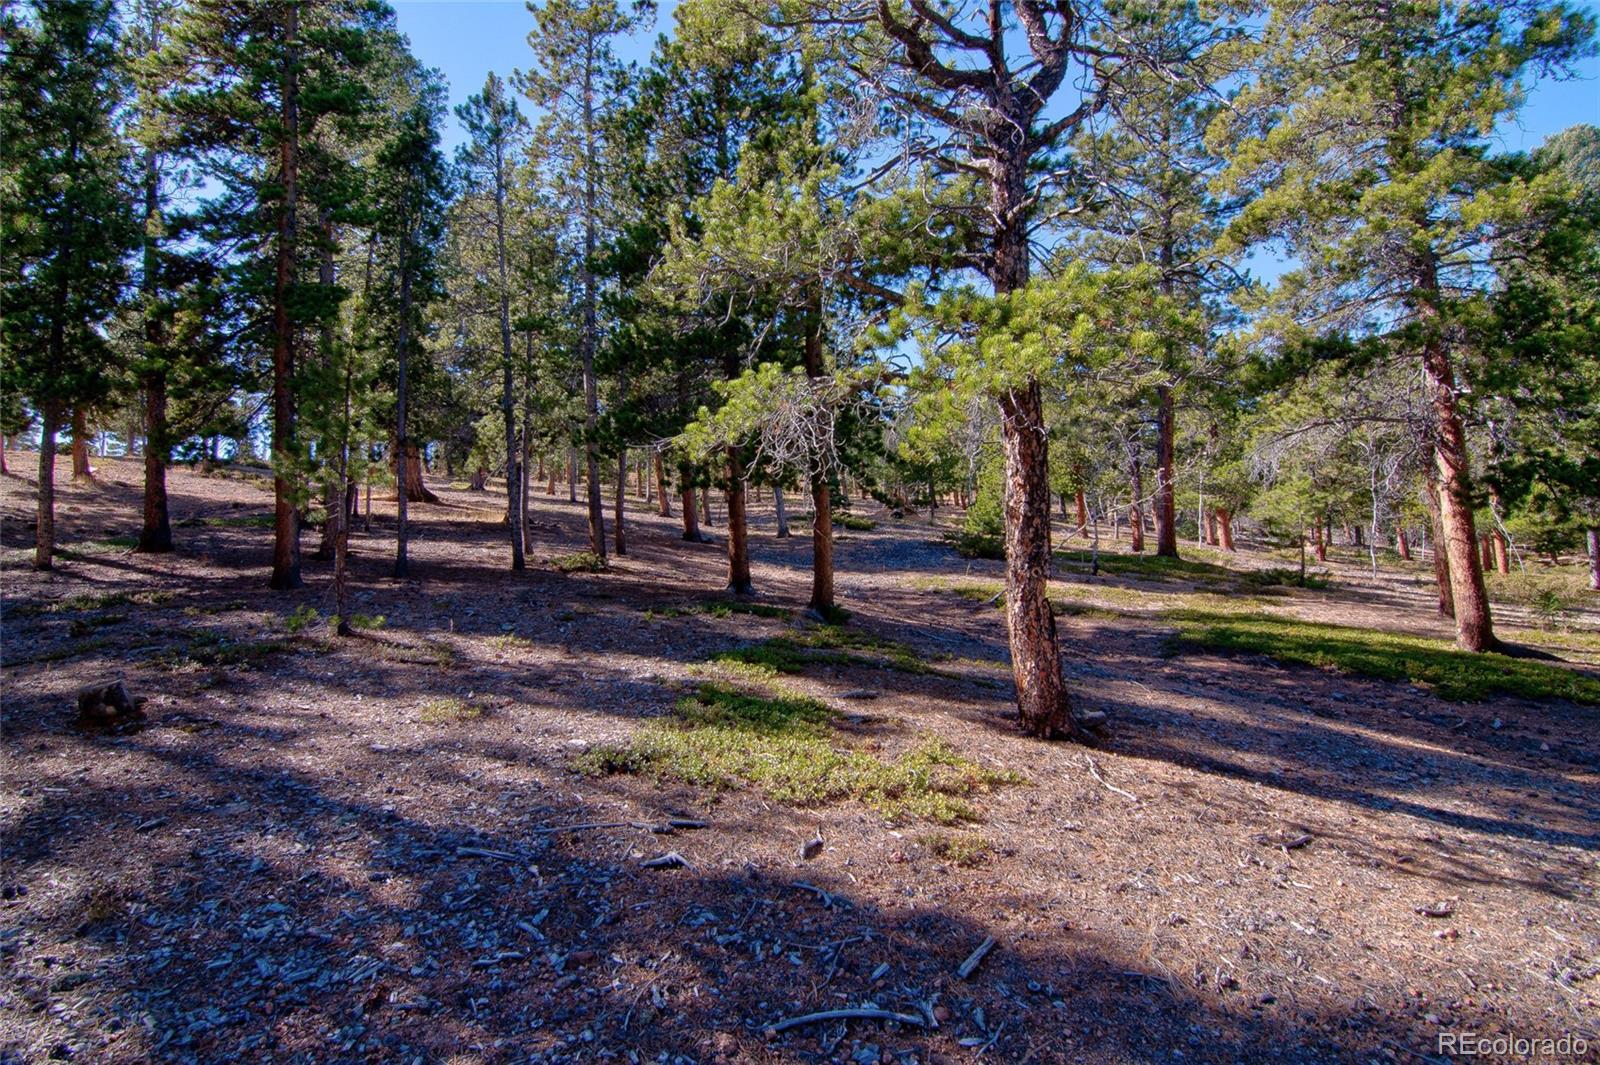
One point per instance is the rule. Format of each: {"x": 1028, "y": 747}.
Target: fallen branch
{"x": 669, "y": 860}
{"x": 975, "y": 959}
{"x": 589, "y": 826}
{"x": 841, "y": 1015}
{"x": 1095, "y": 772}
{"x": 480, "y": 852}
{"x": 825, "y": 896}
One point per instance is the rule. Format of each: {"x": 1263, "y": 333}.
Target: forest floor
{"x": 325, "y": 850}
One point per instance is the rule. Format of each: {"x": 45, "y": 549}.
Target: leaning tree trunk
{"x": 1441, "y": 561}
{"x": 1474, "y": 627}
{"x": 1166, "y": 495}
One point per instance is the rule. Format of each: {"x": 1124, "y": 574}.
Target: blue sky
{"x": 466, "y": 39}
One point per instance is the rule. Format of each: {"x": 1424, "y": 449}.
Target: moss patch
{"x": 722, "y": 737}
{"x": 1456, "y": 675}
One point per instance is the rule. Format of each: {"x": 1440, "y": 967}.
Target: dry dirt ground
{"x": 302, "y": 859}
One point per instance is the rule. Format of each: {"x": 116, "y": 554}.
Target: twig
{"x": 825, "y": 896}
{"x": 481, "y": 852}
{"x": 1095, "y": 772}
{"x": 975, "y": 959}
{"x": 839, "y": 1015}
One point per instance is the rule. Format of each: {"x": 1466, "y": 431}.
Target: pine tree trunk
{"x": 1474, "y": 626}
{"x": 286, "y": 517}
{"x": 1225, "y": 528}
{"x": 1402, "y": 544}
{"x": 508, "y": 414}
{"x": 1321, "y": 543}
{"x": 416, "y": 491}
{"x": 4, "y": 443}
{"x": 155, "y": 536}
{"x": 1042, "y": 701}
{"x": 691, "y": 518}
{"x": 1441, "y": 561}
{"x": 822, "y": 595}
{"x": 591, "y": 328}
{"x": 572, "y": 475}
{"x": 81, "y": 470}
{"x": 44, "y": 540}
{"x": 1135, "y": 509}
{"x": 621, "y": 501}
{"x": 738, "y": 529}
{"x": 1083, "y": 513}
{"x": 1166, "y": 495}
{"x": 663, "y": 498}
{"x": 1594, "y": 559}
{"x": 705, "y": 508}
{"x": 783, "y": 518}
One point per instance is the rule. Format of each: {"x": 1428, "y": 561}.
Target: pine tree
{"x": 1362, "y": 138}
{"x": 495, "y": 128}
{"x": 65, "y": 225}
{"x": 412, "y": 193}
{"x": 989, "y": 123}
{"x": 251, "y": 82}
{"x": 575, "y": 80}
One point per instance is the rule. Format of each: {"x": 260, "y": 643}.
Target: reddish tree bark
{"x": 416, "y": 491}
{"x": 1225, "y": 527}
{"x": 1083, "y": 514}
{"x": 1402, "y": 544}
{"x": 1441, "y": 561}
{"x": 1474, "y": 626}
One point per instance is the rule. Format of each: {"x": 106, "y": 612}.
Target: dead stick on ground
{"x": 975, "y": 959}
{"x": 837, "y": 1015}
{"x": 1095, "y": 772}
{"x": 592, "y": 825}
